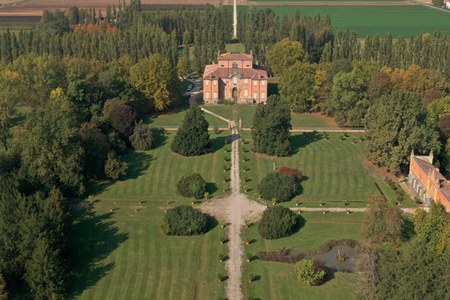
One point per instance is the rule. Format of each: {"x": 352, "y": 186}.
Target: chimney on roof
{"x": 412, "y": 153}
{"x": 431, "y": 157}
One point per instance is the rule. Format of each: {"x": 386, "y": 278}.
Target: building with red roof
{"x": 427, "y": 181}
{"x": 234, "y": 77}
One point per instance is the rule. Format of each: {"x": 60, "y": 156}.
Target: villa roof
{"x": 213, "y": 71}
{"x": 429, "y": 169}
{"x": 235, "y": 56}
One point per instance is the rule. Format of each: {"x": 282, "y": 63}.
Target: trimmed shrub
{"x": 294, "y": 173}
{"x": 185, "y": 220}
{"x": 192, "y": 186}
{"x": 279, "y": 187}
{"x": 310, "y": 272}
{"x": 277, "y": 222}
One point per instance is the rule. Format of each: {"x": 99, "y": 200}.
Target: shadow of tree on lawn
{"x": 299, "y": 141}
{"x": 94, "y": 237}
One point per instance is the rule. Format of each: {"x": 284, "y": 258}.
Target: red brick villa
{"x": 234, "y": 78}
{"x": 427, "y": 181}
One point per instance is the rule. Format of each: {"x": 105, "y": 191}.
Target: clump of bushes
{"x": 278, "y": 222}
{"x": 185, "y": 220}
{"x": 280, "y": 187}
{"x": 310, "y": 272}
{"x": 294, "y": 173}
{"x": 283, "y": 255}
{"x": 192, "y": 186}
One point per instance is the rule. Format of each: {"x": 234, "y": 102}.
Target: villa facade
{"x": 427, "y": 181}
{"x": 235, "y": 78}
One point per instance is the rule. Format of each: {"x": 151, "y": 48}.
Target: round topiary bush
{"x": 277, "y": 222}
{"x": 280, "y": 187}
{"x": 310, "y": 272}
{"x": 192, "y": 186}
{"x": 185, "y": 220}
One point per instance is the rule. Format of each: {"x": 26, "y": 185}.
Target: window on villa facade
{"x": 255, "y": 95}
{"x": 255, "y": 83}
{"x": 263, "y": 82}
{"x": 207, "y": 95}
{"x": 215, "y": 95}
{"x": 235, "y": 79}
{"x": 263, "y": 95}
{"x": 245, "y": 80}
{"x": 246, "y": 93}
{"x": 206, "y": 82}
{"x": 235, "y": 65}
{"x": 215, "y": 82}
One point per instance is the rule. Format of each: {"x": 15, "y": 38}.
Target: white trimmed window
{"x": 263, "y": 95}
{"x": 245, "y": 93}
{"x": 206, "y": 82}
{"x": 215, "y": 95}
{"x": 255, "y": 95}
{"x": 235, "y": 79}
{"x": 245, "y": 80}
{"x": 263, "y": 82}
{"x": 207, "y": 95}
{"x": 214, "y": 82}
{"x": 255, "y": 83}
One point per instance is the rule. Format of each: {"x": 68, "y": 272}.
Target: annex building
{"x": 427, "y": 181}
{"x": 235, "y": 78}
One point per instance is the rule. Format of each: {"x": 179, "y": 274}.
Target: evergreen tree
{"x": 272, "y": 122}
{"x": 192, "y": 137}
{"x": 142, "y": 138}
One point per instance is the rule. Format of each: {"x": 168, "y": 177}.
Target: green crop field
{"x": 246, "y": 113}
{"x": 371, "y": 20}
{"x": 18, "y": 23}
{"x": 333, "y": 170}
{"x": 278, "y": 280}
{"x": 123, "y": 253}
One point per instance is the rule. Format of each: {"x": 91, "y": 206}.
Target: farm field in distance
{"x": 18, "y": 22}
{"x": 279, "y": 281}
{"x": 371, "y": 20}
{"x": 123, "y": 252}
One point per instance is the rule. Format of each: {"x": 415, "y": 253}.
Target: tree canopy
{"x": 396, "y": 124}
{"x": 192, "y": 137}
{"x": 272, "y": 122}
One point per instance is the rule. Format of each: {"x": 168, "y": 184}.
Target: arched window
{"x": 235, "y": 65}
{"x": 235, "y": 79}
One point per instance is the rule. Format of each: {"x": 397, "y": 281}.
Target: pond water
{"x": 331, "y": 261}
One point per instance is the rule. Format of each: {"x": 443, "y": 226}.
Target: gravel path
{"x": 408, "y": 210}
{"x": 236, "y": 209}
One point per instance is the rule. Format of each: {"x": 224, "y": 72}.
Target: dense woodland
{"x": 73, "y": 94}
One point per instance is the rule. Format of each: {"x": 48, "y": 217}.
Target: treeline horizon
{"x": 132, "y": 31}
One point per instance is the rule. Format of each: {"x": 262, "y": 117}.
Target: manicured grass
{"x": 123, "y": 253}
{"x": 246, "y": 113}
{"x": 176, "y": 116}
{"x": 333, "y": 170}
{"x": 278, "y": 280}
{"x": 18, "y": 22}
{"x": 372, "y": 20}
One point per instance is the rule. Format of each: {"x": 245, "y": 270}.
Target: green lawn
{"x": 278, "y": 280}
{"x": 175, "y": 118}
{"x": 333, "y": 170}
{"x": 123, "y": 253}
{"x": 246, "y": 113}
{"x": 372, "y": 20}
